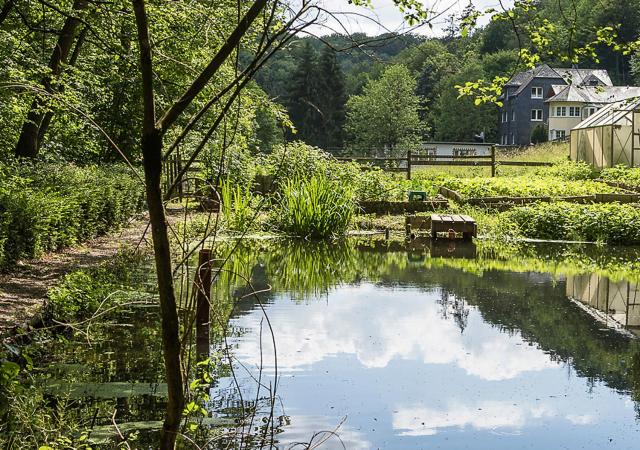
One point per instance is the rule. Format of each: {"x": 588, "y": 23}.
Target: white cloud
{"x": 581, "y": 419}
{"x": 381, "y": 325}
{"x": 485, "y": 415}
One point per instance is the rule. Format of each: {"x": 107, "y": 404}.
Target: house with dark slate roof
{"x": 524, "y": 99}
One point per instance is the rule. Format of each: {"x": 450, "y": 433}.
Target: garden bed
{"x": 610, "y": 194}
{"x": 611, "y": 223}
{"x": 387, "y": 207}
{"x": 525, "y": 187}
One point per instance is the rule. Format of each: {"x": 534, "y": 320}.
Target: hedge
{"x": 47, "y": 206}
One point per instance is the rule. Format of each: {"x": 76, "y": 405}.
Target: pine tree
{"x": 332, "y": 100}
{"x": 302, "y": 101}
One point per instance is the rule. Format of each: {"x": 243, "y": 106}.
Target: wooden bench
{"x": 443, "y": 223}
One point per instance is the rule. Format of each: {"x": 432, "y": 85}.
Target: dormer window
{"x": 536, "y": 92}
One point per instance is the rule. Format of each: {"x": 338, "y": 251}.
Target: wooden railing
{"x": 189, "y": 183}
{"x": 420, "y": 159}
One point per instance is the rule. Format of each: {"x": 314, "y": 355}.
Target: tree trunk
{"x": 152, "y": 160}
{"x": 28, "y": 143}
{"x": 46, "y": 120}
{"x": 152, "y": 153}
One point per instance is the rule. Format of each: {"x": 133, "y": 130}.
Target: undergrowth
{"x": 83, "y": 292}
{"x": 612, "y": 223}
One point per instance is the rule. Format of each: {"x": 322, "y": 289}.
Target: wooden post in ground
{"x": 493, "y": 160}
{"x": 408, "y": 164}
{"x": 179, "y": 169}
{"x": 202, "y": 286}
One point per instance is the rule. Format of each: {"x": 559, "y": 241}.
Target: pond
{"x": 395, "y": 345}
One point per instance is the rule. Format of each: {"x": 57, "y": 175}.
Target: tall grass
{"x": 237, "y": 207}
{"x": 316, "y": 208}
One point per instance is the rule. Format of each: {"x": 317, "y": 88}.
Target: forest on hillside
{"x": 321, "y": 80}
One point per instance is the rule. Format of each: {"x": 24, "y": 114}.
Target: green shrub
{"x": 539, "y": 135}
{"x": 81, "y": 292}
{"x": 314, "y": 208}
{"x": 612, "y": 223}
{"x": 299, "y": 161}
{"x": 47, "y": 206}
{"x": 622, "y": 174}
{"x": 238, "y": 165}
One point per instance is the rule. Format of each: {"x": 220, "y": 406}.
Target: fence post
{"x": 179, "y": 169}
{"x": 408, "y": 164}
{"x": 202, "y": 286}
{"x": 493, "y": 160}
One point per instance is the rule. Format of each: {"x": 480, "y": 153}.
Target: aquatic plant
{"x": 237, "y": 206}
{"x": 316, "y": 208}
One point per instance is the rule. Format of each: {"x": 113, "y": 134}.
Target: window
{"x": 536, "y": 115}
{"x": 513, "y": 139}
{"x": 536, "y": 92}
{"x": 561, "y": 111}
{"x": 464, "y": 151}
{"x": 589, "y": 111}
{"x": 505, "y": 117}
{"x": 559, "y": 134}
{"x": 428, "y": 153}
{"x": 504, "y": 139}
{"x": 574, "y": 111}
{"x": 513, "y": 116}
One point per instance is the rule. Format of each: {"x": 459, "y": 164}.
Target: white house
{"x": 571, "y": 104}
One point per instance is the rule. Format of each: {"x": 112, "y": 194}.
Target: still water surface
{"x": 402, "y": 355}
{"x": 398, "y": 346}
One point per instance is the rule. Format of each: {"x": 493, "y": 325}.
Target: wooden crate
{"x": 442, "y": 223}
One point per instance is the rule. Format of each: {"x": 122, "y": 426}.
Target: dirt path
{"x": 23, "y": 291}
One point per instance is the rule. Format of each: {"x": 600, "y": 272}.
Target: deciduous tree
{"x": 384, "y": 119}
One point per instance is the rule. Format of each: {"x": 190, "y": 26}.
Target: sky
{"x": 384, "y": 16}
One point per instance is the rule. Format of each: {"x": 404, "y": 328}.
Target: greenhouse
{"x": 609, "y": 137}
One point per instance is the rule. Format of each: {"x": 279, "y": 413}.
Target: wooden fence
{"x": 420, "y": 159}
{"x": 189, "y": 184}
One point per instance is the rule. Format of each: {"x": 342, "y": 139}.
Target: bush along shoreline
{"x": 46, "y": 206}
{"x": 612, "y": 223}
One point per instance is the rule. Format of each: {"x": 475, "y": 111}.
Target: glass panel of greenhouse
{"x": 609, "y": 137}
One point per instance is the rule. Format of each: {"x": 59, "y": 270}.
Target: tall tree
{"x": 6, "y": 9}
{"x": 153, "y": 132}
{"x": 459, "y": 119}
{"x": 303, "y": 105}
{"x": 384, "y": 119}
{"x": 29, "y": 143}
{"x": 332, "y": 100}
